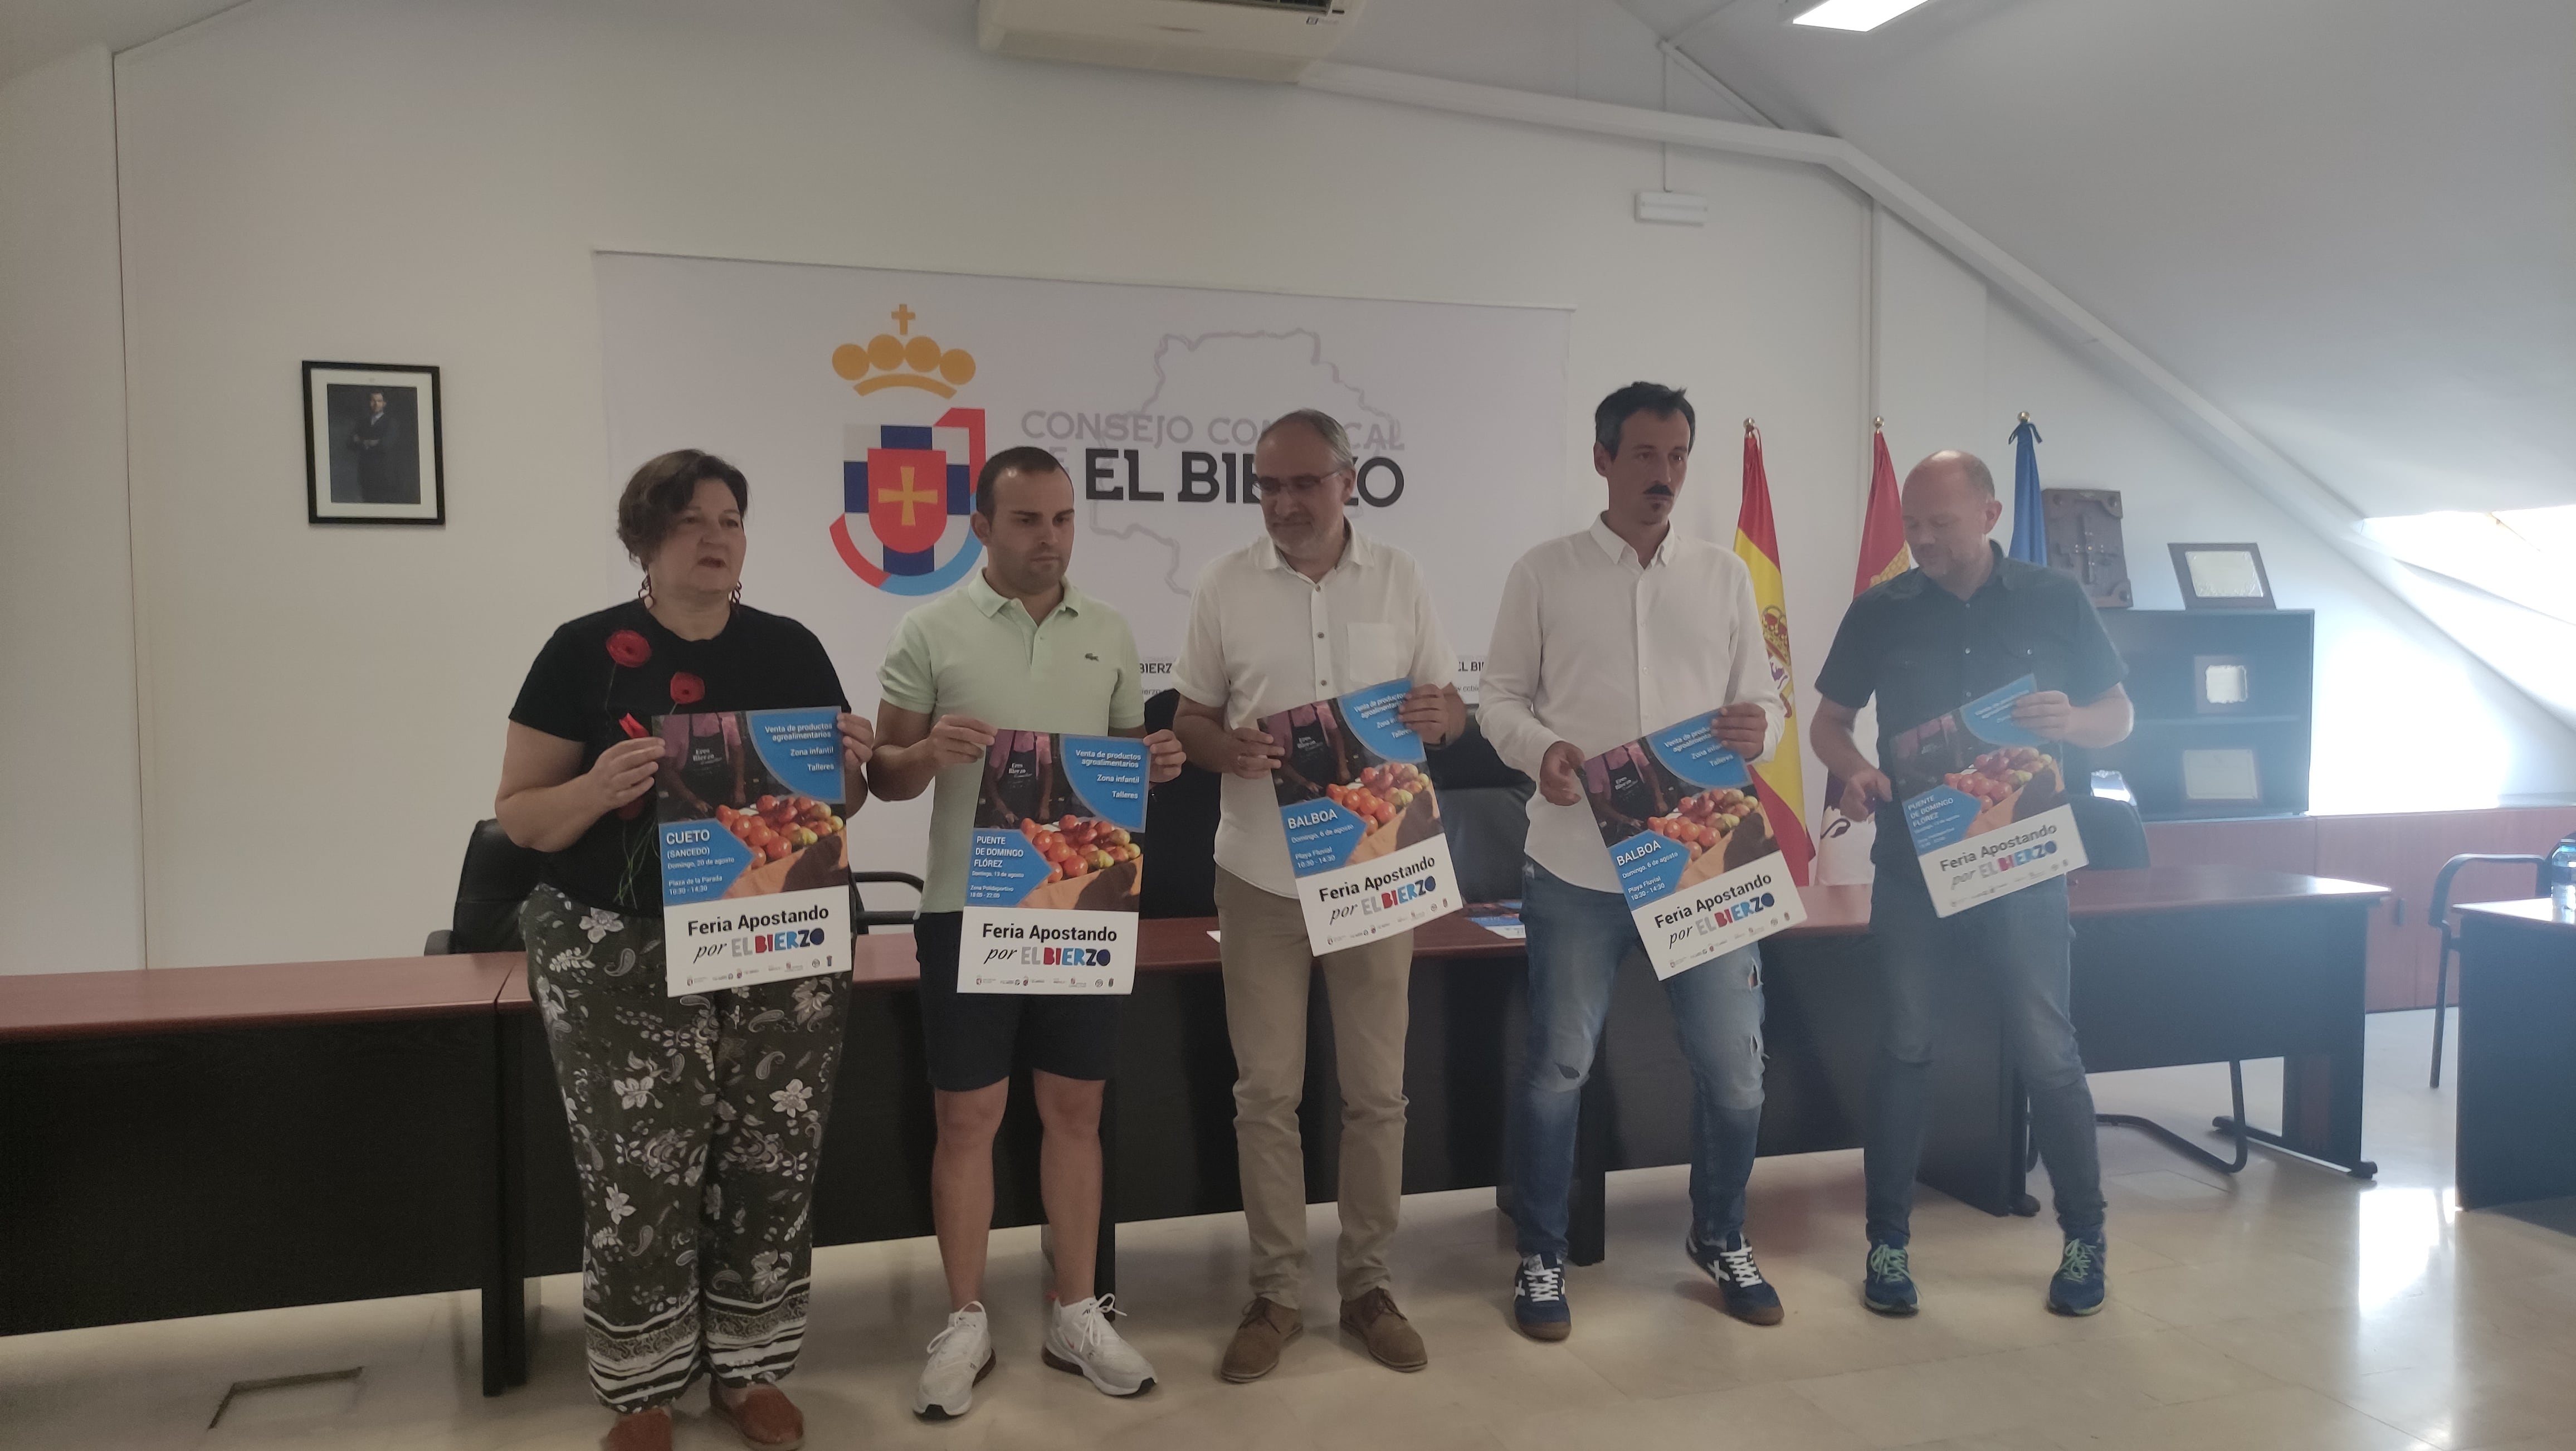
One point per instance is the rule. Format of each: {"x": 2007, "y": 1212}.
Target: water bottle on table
{"x": 2562, "y": 879}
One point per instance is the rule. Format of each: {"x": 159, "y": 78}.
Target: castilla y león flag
{"x": 1776, "y": 781}
{"x": 1843, "y": 842}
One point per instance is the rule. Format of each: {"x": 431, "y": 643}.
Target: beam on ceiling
{"x": 2272, "y": 473}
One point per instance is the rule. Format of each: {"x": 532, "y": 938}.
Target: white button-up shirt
{"x": 1264, "y": 638}
{"x": 1596, "y": 647}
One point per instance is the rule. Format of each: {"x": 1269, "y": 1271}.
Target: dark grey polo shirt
{"x": 1924, "y": 652}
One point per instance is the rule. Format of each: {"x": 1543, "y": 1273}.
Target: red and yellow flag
{"x": 1776, "y": 782}
{"x": 1882, "y": 528}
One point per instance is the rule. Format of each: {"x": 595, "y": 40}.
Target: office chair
{"x": 2115, "y": 839}
{"x": 2451, "y": 938}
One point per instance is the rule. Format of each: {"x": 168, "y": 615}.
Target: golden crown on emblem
{"x": 900, "y": 359}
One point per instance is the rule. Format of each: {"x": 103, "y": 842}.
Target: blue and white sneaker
{"x": 1538, "y": 1299}
{"x": 1888, "y": 1285}
{"x": 2079, "y": 1285}
{"x": 1747, "y": 1296}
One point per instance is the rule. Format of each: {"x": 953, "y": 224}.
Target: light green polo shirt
{"x": 974, "y": 652}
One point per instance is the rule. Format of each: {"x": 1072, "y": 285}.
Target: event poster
{"x": 755, "y": 867}
{"x": 1697, "y": 858}
{"x": 1054, "y": 866}
{"x": 1363, "y": 824}
{"x": 1986, "y": 802}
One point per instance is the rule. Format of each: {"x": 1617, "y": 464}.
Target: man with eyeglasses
{"x": 1311, "y": 610}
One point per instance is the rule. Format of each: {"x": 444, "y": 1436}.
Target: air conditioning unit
{"x": 1256, "y": 40}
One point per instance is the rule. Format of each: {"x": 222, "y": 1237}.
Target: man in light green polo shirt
{"x": 1016, "y": 648}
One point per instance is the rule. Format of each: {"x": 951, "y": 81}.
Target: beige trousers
{"x": 1267, "y": 967}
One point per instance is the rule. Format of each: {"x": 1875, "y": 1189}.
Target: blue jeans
{"x": 2019, "y": 943}
{"x": 1577, "y": 940}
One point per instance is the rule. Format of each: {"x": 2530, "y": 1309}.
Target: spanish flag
{"x": 1776, "y": 781}
{"x": 1843, "y": 842}
{"x": 1882, "y": 528}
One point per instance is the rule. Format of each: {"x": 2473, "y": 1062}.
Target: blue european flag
{"x": 2030, "y": 516}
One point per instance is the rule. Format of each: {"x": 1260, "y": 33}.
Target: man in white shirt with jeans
{"x": 1314, "y": 609}
{"x": 1625, "y": 628}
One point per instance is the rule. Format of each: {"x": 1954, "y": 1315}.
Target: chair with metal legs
{"x": 2114, "y": 837}
{"x": 2451, "y": 940}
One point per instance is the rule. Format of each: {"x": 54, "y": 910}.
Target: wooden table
{"x": 2517, "y": 1077}
{"x": 243, "y": 1137}
{"x": 189, "y": 1141}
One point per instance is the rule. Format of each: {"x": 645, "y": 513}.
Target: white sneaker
{"x": 960, "y": 1356}
{"x": 1080, "y": 1339}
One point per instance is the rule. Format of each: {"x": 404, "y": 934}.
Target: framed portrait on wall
{"x": 372, "y": 452}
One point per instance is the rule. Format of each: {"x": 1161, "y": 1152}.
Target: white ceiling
{"x": 33, "y": 32}
{"x": 2350, "y": 223}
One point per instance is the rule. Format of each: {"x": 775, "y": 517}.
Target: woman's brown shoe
{"x": 762, "y": 1415}
{"x": 1267, "y": 1328}
{"x": 642, "y": 1431}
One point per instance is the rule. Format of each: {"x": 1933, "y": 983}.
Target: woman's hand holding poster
{"x": 1363, "y": 825}
{"x": 1054, "y": 866}
{"x": 1986, "y": 802}
{"x": 755, "y": 871}
{"x": 1702, "y": 872}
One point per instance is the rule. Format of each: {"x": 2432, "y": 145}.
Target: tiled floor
{"x": 2291, "y": 1308}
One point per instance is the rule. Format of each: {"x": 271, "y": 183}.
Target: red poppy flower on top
{"x": 629, "y": 649}
{"x": 687, "y": 689}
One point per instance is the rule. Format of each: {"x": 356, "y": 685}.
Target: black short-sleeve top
{"x": 1924, "y": 652}
{"x": 602, "y": 668}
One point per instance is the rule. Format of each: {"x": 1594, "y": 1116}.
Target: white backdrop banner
{"x": 860, "y": 402}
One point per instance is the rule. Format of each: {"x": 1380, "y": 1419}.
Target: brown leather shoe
{"x": 764, "y": 1417}
{"x": 1390, "y": 1337}
{"x": 642, "y": 1431}
{"x": 1267, "y": 1328}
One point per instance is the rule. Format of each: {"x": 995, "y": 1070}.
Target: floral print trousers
{"x": 696, "y": 1125}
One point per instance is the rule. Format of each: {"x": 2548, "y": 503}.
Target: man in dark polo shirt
{"x": 1963, "y": 622}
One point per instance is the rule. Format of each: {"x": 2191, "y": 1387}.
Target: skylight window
{"x": 2526, "y": 556}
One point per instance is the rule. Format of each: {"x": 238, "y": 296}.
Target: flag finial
{"x": 1748, "y": 425}
{"x": 1878, "y": 424}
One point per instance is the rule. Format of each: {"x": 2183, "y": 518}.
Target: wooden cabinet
{"x": 2192, "y": 739}
{"x": 2400, "y": 851}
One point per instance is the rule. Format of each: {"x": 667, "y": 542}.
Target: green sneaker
{"x": 2079, "y": 1285}
{"x": 1888, "y": 1286}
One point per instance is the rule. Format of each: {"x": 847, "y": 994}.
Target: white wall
{"x": 426, "y": 181}
{"x": 72, "y": 895}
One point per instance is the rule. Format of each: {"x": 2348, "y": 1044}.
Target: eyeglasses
{"x": 1301, "y": 485}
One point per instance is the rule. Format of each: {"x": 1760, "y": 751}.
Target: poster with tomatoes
{"x": 1697, "y": 859}
{"x": 1054, "y": 866}
{"x": 1986, "y": 802}
{"x": 1363, "y": 823}
{"x": 755, "y": 867}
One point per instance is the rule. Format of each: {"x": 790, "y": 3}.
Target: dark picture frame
{"x": 375, "y": 450}
{"x": 2234, "y": 558}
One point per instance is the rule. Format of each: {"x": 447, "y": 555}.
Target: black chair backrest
{"x": 1482, "y": 805}
{"x": 1180, "y": 831}
{"x": 497, "y": 877}
{"x": 2113, "y": 835}
{"x": 864, "y": 919}
{"x": 1488, "y": 830}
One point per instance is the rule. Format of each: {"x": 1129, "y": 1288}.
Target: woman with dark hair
{"x": 696, "y": 1120}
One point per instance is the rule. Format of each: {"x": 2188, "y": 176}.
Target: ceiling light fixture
{"x": 1854, "y": 14}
